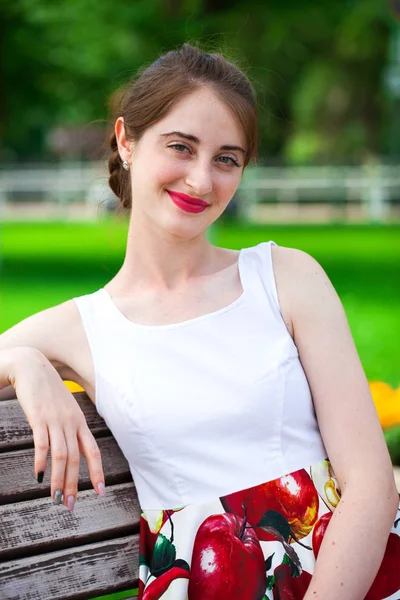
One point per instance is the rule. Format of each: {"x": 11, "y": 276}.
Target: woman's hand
{"x": 56, "y": 421}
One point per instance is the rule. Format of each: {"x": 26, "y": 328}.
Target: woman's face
{"x": 196, "y": 150}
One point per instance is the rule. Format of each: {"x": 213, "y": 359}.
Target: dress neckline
{"x": 186, "y": 322}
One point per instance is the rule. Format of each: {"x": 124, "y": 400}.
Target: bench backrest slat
{"x": 16, "y": 432}
{"x": 94, "y": 518}
{"x": 48, "y": 553}
{"x": 74, "y": 574}
{"x": 17, "y": 477}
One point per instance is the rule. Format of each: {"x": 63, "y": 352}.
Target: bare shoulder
{"x": 58, "y": 333}
{"x": 301, "y": 283}
{"x": 291, "y": 264}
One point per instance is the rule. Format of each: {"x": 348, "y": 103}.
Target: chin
{"x": 185, "y": 228}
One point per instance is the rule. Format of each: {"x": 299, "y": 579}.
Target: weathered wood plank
{"x": 76, "y": 574}
{"x": 46, "y": 551}
{"x": 17, "y": 476}
{"x": 38, "y": 526}
{"x": 15, "y": 430}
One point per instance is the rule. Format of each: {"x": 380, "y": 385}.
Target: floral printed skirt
{"x": 260, "y": 543}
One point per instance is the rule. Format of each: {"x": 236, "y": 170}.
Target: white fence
{"x": 61, "y": 190}
{"x": 80, "y": 190}
{"x": 372, "y": 191}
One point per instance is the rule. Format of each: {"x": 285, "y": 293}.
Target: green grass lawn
{"x": 44, "y": 264}
{"x": 47, "y": 263}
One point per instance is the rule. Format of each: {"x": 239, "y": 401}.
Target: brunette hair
{"x": 154, "y": 90}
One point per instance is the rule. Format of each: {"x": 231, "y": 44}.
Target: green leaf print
{"x": 270, "y": 583}
{"x": 276, "y": 521}
{"x": 275, "y": 524}
{"x": 164, "y": 555}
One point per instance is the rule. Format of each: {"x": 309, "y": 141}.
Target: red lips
{"x": 187, "y": 203}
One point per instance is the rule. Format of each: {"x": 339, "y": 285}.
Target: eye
{"x": 179, "y": 148}
{"x": 229, "y": 158}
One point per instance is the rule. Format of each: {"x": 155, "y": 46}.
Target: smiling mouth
{"x": 189, "y": 199}
{"x": 187, "y": 203}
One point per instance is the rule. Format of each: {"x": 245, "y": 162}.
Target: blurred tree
{"x": 317, "y": 68}
{"x": 338, "y": 103}
{"x": 392, "y": 80}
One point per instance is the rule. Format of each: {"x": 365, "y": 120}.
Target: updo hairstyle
{"x": 153, "y": 92}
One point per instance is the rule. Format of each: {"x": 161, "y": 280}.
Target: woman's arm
{"x": 46, "y": 331}
{"x": 355, "y": 541}
{"x": 53, "y": 331}
{"x": 57, "y": 332}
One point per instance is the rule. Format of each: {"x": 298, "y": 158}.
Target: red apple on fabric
{"x": 319, "y": 532}
{"x": 227, "y": 561}
{"x": 293, "y": 496}
{"x": 159, "y": 586}
{"x": 287, "y": 587}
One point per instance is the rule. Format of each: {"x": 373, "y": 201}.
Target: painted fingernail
{"x": 57, "y": 496}
{"x": 71, "y": 502}
{"x": 102, "y": 491}
{"x": 40, "y": 476}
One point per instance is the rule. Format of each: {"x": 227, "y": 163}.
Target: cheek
{"x": 226, "y": 186}
{"x": 165, "y": 172}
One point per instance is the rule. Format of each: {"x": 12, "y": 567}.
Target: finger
{"x": 88, "y": 446}
{"x": 41, "y": 444}
{"x": 58, "y": 450}
{"x": 72, "y": 469}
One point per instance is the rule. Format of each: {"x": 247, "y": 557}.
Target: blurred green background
{"x": 327, "y": 76}
{"x": 326, "y": 73}
{"x": 47, "y": 263}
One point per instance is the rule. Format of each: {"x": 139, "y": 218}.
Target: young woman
{"x": 229, "y": 379}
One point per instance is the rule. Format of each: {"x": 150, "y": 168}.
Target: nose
{"x": 199, "y": 178}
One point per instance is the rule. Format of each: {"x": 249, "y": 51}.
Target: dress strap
{"x": 258, "y": 280}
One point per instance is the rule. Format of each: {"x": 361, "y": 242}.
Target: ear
{"x": 124, "y": 145}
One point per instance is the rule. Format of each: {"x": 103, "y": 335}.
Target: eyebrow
{"x": 193, "y": 138}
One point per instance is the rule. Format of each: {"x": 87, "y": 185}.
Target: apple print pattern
{"x": 260, "y": 543}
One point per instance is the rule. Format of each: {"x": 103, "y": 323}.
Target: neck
{"x": 158, "y": 259}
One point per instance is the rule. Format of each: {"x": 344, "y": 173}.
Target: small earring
{"x": 125, "y": 164}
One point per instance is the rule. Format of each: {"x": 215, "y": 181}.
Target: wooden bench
{"x": 46, "y": 552}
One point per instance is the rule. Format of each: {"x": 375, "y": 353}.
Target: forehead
{"x": 204, "y": 115}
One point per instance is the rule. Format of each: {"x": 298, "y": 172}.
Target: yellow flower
{"x": 387, "y": 403}
{"x": 73, "y": 387}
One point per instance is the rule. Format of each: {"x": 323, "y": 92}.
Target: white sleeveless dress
{"x": 216, "y": 419}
